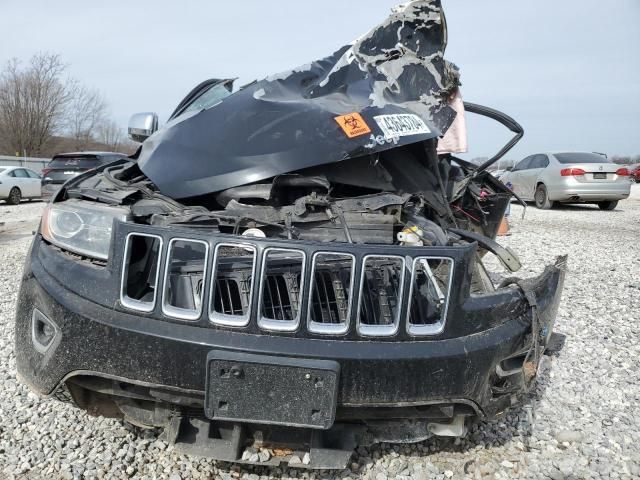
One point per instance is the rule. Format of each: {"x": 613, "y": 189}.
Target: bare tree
{"x": 86, "y": 113}
{"x": 32, "y": 103}
{"x": 109, "y": 134}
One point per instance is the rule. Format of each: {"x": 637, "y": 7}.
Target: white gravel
{"x": 584, "y": 410}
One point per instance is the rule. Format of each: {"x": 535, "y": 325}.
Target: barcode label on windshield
{"x": 401, "y": 125}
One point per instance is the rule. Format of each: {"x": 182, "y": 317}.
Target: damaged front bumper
{"x": 163, "y": 371}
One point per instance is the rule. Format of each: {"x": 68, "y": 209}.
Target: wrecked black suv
{"x": 287, "y": 271}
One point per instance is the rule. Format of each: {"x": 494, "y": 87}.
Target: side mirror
{"x": 142, "y": 126}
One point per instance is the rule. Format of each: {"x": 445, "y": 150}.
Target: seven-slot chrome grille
{"x": 272, "y": 286}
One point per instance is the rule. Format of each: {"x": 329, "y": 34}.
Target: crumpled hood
{"x": 389, "y": 88}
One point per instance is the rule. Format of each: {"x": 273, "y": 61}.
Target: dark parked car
{"x": 64, "y": 166}
{"x": 634, "y": 172}
{"x": 287, "y": 271}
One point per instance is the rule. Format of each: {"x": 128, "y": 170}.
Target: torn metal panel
{"x": 388, "y": 89}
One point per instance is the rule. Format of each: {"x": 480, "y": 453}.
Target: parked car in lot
{"x": 64, "y": 166}
{"x": 497, "y": 173}
{"x": 569, "y": 177}
{"x": 17, "y": 183}
{"x": 634, "y": 172}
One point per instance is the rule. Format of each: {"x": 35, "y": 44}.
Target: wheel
{"x": 542, "y": 199}
{"x": 14, "y": 196}
{"x": 610, "y": 205}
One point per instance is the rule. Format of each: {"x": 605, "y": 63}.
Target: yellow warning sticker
{"x": 353, "y": 124}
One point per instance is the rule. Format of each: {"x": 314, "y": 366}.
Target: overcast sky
{"x": 567, "y": 70}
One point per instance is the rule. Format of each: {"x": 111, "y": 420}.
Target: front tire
{"x": 15, "y": 195}
{"x": 542, "y": 198}
{"x": 610, "y": 205}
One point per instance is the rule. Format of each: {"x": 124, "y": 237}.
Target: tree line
{"x": 44, "y": 112}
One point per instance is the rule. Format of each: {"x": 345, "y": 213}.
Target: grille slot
{"x": 281, "y": 286}
{"x": 140, "y": 270}
{"x": 183, "y": 278}
{"x": 232, "y": 285}
{"x": 429, "y": 295}
{"x": 381, "y": 293}
{"x": 228, "y": 299}
{"x": 331, "y": 295}
{"x": 281, "y": 298}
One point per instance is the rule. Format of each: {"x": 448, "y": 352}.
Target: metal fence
{"x": 35, "y": 164}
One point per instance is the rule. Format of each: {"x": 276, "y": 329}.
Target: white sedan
{"x": 17, "y": 183}
{"x": 569, "y": 177}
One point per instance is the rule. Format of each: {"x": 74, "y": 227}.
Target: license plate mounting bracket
{"x": 267, "y": 389}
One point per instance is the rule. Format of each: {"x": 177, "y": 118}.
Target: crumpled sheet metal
{"x": 410, "y": 69}
{"x": 327, "y": 111}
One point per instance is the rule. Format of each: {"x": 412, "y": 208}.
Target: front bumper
{"x": 122, "y": 355}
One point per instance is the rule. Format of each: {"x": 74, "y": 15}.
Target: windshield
{"x": 581, "y": 158}
{"x": 74, "y": 162}
{"x": 208, "y": 99}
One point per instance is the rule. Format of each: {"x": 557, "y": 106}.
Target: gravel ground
{"x": 582, "y": 422}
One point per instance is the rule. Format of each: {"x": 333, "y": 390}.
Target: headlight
{"x": 81, "y": 227}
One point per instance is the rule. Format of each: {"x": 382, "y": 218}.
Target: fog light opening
{"x": 510, "y": 366}
{"x": 43, "y": 331}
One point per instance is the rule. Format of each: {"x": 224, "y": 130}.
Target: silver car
{"x": 569, "y": 177}
{"x": 17, "y": 183}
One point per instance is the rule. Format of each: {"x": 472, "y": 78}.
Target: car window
{"x": 581, "y": 158}
{"x": 11, "y": 174}
{"x": 32, "y": 174}
{"x": 523, "y": 164}
{"x": 87, "y": 162}
{"x": 539, "y": 161}
{"x": 21, "y": 173}
{"x": 208, "y": 99}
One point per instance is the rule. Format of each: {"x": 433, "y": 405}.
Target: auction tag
{"x": 401, "y": 125}
{"x": 353, "y": 124}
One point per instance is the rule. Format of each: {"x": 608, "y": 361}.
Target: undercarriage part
{"x": 456, "y": 428}
{"x": 266, "y": 445}
{"x": 184, "y": 425}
